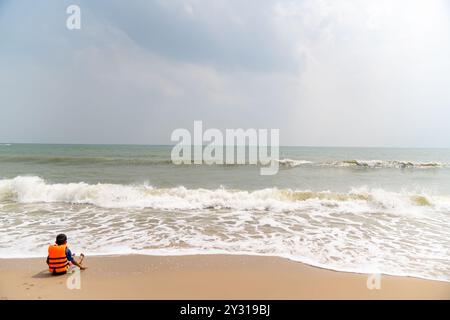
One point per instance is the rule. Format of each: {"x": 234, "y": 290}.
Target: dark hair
{"x": 61, "y": 239}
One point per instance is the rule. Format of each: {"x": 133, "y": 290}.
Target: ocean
{"x": 371, "y": 210}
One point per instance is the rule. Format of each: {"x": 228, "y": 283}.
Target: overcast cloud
{"x": 326, "y": 73}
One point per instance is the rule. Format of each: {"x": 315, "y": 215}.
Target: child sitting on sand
{"x": 60, "y": 257}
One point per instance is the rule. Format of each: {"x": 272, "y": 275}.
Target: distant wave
{"x": 291, "y": 163}
{"x": 60, "y": 160}
{"x": 386, "y": 164}
{"x": 286, "y": 163}
{"x": 84, "y": 160}
{"x": 400, "y": 164}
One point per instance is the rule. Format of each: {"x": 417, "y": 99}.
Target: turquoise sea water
{"x": 351, "y": 209}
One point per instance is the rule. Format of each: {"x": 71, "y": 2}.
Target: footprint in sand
{"x": 28, "y": 285}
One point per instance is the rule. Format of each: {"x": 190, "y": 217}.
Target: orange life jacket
{"x": 57, "y": 259}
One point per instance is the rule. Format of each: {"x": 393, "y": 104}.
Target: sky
{"x": 325, "y": 73}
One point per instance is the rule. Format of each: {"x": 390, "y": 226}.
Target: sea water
{"x": 376, "y": 210}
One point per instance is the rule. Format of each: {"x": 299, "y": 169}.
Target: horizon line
{"x": 171, "y": 145}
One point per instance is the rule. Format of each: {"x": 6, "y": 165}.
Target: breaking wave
{"x": 386, "y": 164}
{"x": 31, "y": 189}
{"x": 291, "y": 163}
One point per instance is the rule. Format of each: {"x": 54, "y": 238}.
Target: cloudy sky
{"x": 326, "y": 73}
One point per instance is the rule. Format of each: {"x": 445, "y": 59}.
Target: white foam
{"x": 386, "y": 164}
{"x": 292, "y": 163}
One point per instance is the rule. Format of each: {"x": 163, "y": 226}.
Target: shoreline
{"x": 208, "y": 276}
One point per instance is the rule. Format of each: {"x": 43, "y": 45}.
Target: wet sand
{"x": 203, "y": 277}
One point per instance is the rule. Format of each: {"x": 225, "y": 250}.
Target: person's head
{"x": 61, "y": 239}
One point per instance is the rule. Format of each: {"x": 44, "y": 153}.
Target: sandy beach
{"x": 204, "y": 277}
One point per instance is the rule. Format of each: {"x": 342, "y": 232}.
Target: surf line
{"x": 210, "y": 147}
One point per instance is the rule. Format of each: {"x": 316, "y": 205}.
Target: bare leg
{"x": 81, "y": 258}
